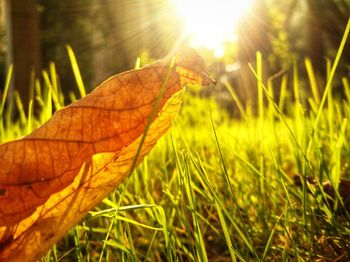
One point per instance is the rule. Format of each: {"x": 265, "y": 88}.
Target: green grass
{"x": 217, "y": 188}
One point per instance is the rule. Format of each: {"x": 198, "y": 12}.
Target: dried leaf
{"x": 51, "y": 178}
{"x": 343, "y": 189}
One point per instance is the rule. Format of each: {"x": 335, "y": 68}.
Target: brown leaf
{"x": 51, "y": 178}
{"x": 343, "y": 189}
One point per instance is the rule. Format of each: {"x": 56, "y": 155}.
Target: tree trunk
{"x": 23, "y": 38}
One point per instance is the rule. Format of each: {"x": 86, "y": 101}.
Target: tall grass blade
{"x": 199, "y": 242}
{"x": 260, "y": 89}
{"x": 30, "y": 117}
{"x": 328, "y": 85}
{"x": 6, "y": 89}
{"x": 138, "y": 63}
{"x": 312, "y": 79}
{"x": 54, "y": 93}
{"x": 330, "y": 103}
{"x": 226, "y": 233}
{"x": 236, "y": 99}
{"x": 227, "y": 180}
{"x": 20, "y": 108}
{"x": 76, "y": 71}
{"x": 283, "y": 93}
{"x": 296, "y": 87}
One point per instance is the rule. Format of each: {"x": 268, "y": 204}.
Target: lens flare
{"x": 211, "y": 23}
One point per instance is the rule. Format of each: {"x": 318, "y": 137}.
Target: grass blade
{"x": 76, "y": 71}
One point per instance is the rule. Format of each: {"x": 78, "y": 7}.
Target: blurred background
{"x": 108, "y": 36}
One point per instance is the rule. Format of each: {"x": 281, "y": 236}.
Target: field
{"x": 218, "y": 188}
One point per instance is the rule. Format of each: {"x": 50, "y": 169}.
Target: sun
{"x": 210, "y": 23}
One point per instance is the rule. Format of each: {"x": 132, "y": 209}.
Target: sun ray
{"x": 211, "y": 23}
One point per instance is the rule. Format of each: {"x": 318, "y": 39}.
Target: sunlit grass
{"x": 218, "y": 188}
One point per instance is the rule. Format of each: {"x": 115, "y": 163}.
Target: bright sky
{"x": 212, "y": 22}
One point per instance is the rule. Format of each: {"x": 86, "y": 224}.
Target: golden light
{"x": 210, "y": 23}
